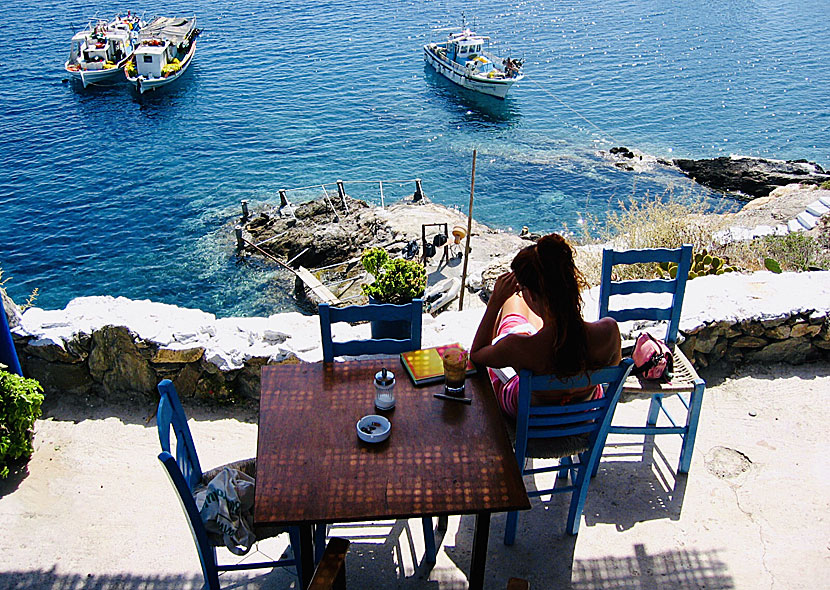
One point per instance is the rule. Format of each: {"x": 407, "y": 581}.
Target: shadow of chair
{"x": 623, "y": 309}
{"x": 186, "y": 474}
{"x": 564, "y": 431}
{"x": 410, "y": 317}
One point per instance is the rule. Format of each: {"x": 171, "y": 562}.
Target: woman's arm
{"x": 482, "y": 352}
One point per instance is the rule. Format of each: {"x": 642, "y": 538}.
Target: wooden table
{"x": 441, "y": 458}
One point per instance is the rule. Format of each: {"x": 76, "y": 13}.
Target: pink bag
{"x": 652, "y": 359}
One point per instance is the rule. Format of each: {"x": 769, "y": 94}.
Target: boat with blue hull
{"x": 165, "y": 51}
{"x": 465, "y": 60}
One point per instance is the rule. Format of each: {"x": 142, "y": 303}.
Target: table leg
{"x": 306, "y": 555}
{"x": 479, "y": 558}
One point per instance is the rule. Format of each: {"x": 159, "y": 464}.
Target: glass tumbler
{"x": 384, "y": 389}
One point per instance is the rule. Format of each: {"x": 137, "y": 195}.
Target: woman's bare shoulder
{"x": 604, "y": 341}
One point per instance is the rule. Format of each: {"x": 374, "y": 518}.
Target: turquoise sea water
{"x": 103, "y": 191}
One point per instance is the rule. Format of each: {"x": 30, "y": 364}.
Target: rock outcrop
{"x": 753, "y": 177}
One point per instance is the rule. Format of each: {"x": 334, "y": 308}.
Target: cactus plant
{"x": 703, "y": 263}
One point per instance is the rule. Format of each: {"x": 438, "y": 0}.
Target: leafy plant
{"x": 20, "y": 401}
{"x": 703, "y": 263}
{"x": 396, "y": 280}
{"x": 373, "y": 260}
{"x": 796, "y": 251}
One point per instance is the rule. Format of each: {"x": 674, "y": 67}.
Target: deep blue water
{"x": 103, "y": 191}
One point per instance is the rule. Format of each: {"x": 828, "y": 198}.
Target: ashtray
{"x": 373, "y": 428}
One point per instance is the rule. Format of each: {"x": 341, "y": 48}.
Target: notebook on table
{"x": 425, "y": 366}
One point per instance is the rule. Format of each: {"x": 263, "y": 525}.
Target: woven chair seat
{"x": 683, "y": 381}
{"x": 248, "y": 467}
{"x": 550, "y": 448}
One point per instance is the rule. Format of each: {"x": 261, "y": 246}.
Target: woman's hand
{"x": 506, "y": 285}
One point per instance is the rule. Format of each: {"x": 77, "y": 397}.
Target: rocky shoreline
{"x": 741, "y": 176}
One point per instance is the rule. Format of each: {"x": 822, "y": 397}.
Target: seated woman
{"x": 534, "y": 321}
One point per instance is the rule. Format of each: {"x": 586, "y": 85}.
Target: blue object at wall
{"x": 8, "y": 355}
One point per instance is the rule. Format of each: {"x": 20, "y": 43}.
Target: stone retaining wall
{"x": 117, "y": 347}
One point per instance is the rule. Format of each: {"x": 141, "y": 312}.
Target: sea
{"x": 107, "y": 192}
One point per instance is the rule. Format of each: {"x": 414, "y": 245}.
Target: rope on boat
{"x": 607, "y": 136}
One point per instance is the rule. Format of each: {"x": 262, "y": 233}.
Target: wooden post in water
{"x": 341, "y": 191}
{"x": 240, "y": 242}
{"x": 283, "y": 199}
{"x": 245, "y": 210}
{"x": 469, "y": 231}
{"x": 419, "y": 193}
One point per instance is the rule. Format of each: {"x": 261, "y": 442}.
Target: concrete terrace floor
{"x": 95, "y": 510}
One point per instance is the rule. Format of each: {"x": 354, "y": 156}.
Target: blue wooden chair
{"x": 185, "y": 474}
{"x": 686, "y": 383}
{"x": 409, "y": 314}
{"x": 564, "y": 431}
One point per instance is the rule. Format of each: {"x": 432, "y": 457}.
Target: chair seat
{"x": 550, "y": 448}
{"x": 248, "y": 467}
{"x": 683, "y": 381}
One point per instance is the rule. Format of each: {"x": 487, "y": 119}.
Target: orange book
{"x": 425, "y": 366}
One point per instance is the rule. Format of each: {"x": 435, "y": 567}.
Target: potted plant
{"x": 396, "y": 280}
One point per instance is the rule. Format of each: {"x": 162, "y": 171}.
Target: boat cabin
{"x": 466, "y": 49}
{"x": 93, "y": 50}
{"x": 151, "y": 59}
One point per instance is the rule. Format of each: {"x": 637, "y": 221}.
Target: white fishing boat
{"x": 464, "y": 59}
{"x": 101, "y": 51}
{"x": 165, "y": 51}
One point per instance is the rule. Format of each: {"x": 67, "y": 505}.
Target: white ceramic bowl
{"x": 373, "y": 428}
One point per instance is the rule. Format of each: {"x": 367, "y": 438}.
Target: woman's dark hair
{"x": 547, "y": 269}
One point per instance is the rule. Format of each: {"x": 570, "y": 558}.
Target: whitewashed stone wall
{"x": 118, "y": 347}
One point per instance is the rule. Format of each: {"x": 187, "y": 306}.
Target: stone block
{"x": 793, "y": 351}
{"x": 793, "y": 226}
{"x": 808, "y": 220}
{"x": 705, "y": 344}
{"x": 59, "y": 378}
{"x": 50, "y": 351}
{"x": 748, "y": 342}
{"x": 817, "y": 208}
{"x": 752, "y": 328}
{"x": 116, "y": 362}
{"x": 182, "y": 355}
{"x": 779, "y": 332}
{"x": 773, "y": 322}
{"x": 804, "y": 329}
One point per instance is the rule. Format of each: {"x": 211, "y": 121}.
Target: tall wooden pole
{"x": 469, "y": 231}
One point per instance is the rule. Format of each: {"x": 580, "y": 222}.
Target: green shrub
{"x": 396, "y": 281}
{"x": 373, "y": 260}
{"x": 20, "y": 401}
{"x": 797, "y": 251}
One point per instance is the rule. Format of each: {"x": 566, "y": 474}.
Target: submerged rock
{"x": 754, "y": 177}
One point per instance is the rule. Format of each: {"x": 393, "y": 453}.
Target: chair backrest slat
{"x": 171, "y": 416}
{"x": 641, "y": 313}
{"x": 676, "y": 287}
{"x": 643, "y": 286}
{"x": 410, "y": 313}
